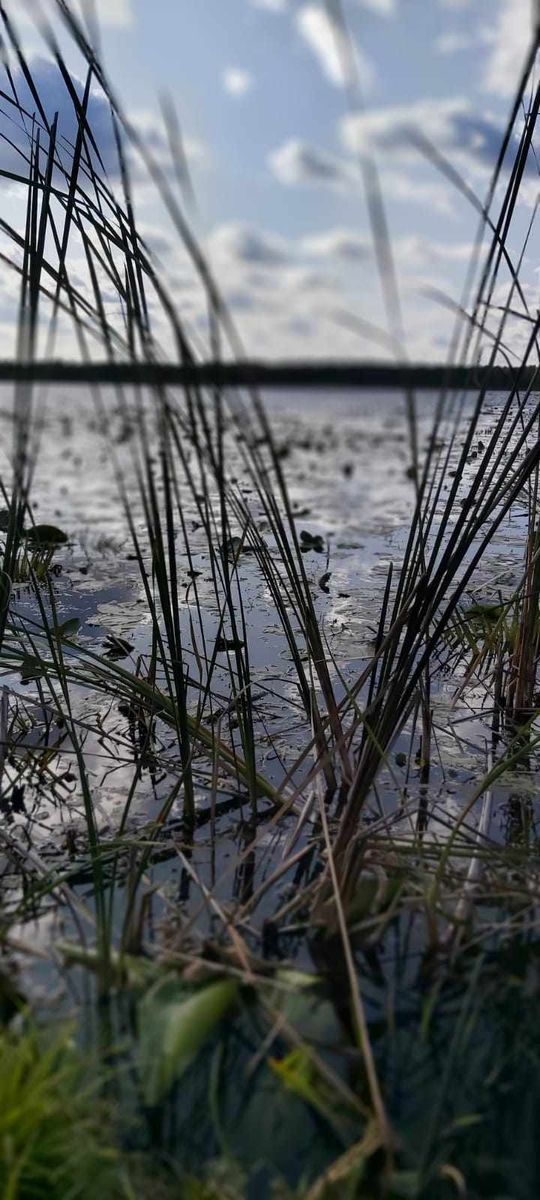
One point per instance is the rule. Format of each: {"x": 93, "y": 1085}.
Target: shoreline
{"x": 265, "y": 375}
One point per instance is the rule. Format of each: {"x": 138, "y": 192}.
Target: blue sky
{"x": 261, "y": 94}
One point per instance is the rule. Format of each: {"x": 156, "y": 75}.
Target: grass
{"x": 54, "y": 1130}
{"x": 346, "y": 971}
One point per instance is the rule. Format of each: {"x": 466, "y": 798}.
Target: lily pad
{"x": 223, "y": 644}
{"x": 69, "y": 628}
{"x": 311, "y": 541}
{"x": 30, "y": 668}
{"x": 233, "y": 547}
{"x": 116, "y": 648}
{"x": 46, "y": 535}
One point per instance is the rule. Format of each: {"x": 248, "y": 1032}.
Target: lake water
{"x": 346, "y": 459}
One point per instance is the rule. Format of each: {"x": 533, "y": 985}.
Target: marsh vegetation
{"x": 268, "y": 732}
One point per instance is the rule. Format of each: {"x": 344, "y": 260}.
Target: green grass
{"x": 56, "y": 1135}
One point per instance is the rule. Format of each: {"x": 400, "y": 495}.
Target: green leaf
{"x": 125, "y": 970}
{"x": 46, "y": 535}
{"x": 174, "y": 1024}
{"x": 465, "y": 1121}
{"x": 488, "y": 612}
{"x": 297, "y": 980}
{"x": 299, "y": 1074}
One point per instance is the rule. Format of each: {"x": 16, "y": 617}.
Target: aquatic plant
{"x": 358, "y": 872}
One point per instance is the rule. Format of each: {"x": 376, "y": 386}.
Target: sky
{"x": 276, "y": 123}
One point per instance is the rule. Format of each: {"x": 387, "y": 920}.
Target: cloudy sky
{"x": 275, "y": 128}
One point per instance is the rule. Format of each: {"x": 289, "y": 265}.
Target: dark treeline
{"x": 254, "y": 374}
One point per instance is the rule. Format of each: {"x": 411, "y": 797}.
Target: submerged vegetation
{"x": 298, "y": 956}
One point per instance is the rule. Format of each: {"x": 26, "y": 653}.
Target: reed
{"x": 197, "y": 707}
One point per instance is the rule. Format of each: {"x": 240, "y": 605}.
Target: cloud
{"x": 454, "y": 43}
{"x": 469, "y": 138}
{"x": 56, "y": 99}
{"x": 451, "y": 124}
{"x": 385, "y": 8}
{"x": 237, "y": 82}
{"x": 326, "y": 40}
{"x": 300, "y": 164}
{"x": 281, "y": 299}
{"x": 160, "y": 241}
{"x": 304, "y": 281}
{"x": 117, "y": 13}
{"x": 414, "y": 252}
{"x": 275, "y": 6}
{"x": 113, "y": 14}
{"x": 297, "y": 163}
{"x": 529, "y": 192}
{"x": 409, "y": 188}
{"x": 344, "y": 244}
{"x": 248, "y": 245}
{"x": 511, "y": 38}
{"x": 153, "y": 133}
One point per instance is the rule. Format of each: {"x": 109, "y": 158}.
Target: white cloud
{"x": 414, "y": 253}
{"x": 304, "y": 281}
{"x": 237, "y": 81}
{"x": 330, "y": 46}
{"x": 343, "y": 244}
{"x": 115, "y": 13}
{"x": 319, "y": 32}
{"x": 451, "y": 124}
{"x": 453, "y": 43}
{"x": 270, "y": 5}
{"x": 246, "y": 244}
{"x": 300, "y": 164}
{"x": 511, "y": 37}
{"x": 152, "y": 132}
{"x": 529, "y": 193}
{"x": 385, "y": 8}
{"x": 281, "y": 301}
{"x": 55, "y": 98}
{"x": 410, "y": 188}
{"x": 297, "y": 163}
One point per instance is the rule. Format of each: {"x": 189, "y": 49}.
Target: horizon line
{"x": 256, "y": 374}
